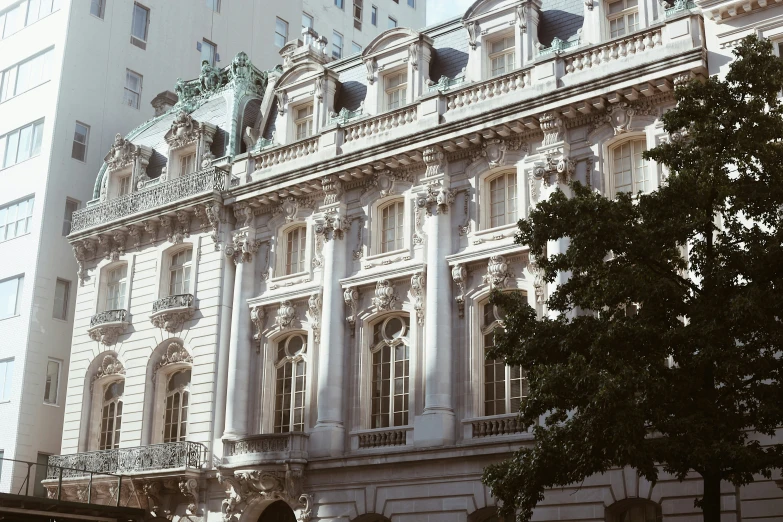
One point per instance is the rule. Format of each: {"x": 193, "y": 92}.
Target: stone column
{"x": 328, "y": 436}
{"x": 241, "y": 250}
{"x": 436, "y": 425}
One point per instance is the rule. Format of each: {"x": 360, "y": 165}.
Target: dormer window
{"x": 304, "y": 122}
{"x": 187, "y": 164}
{"x": 123, "y": 185}
{"x": 396, "y": 86}
{"x": 501, "y": 56}
{"x": 623, "y": 16}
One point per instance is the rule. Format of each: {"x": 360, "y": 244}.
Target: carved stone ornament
{"x": 80, "y": 253}
{"x": 172, "y": 312}
{"x": 333, "y": 226}
{"x": 436, "y": 200}
{"x": 175, "y": 354}
{"x": 418, "y": 285}
{"x": 522, "y": 18}
{"x": 494, "y": 151}
{"x": 385, "y": 297}
{"x": 282, "y": 101}
{"x": 538, "y": 282}
{"x": 243, "y": 213}
{"x": 151, "y": 228}
{"x": 498, "y": 273}
{"x": 351, "y": 298}
{"x": 106, "y": 327}
{"x": 184, "y": 131}
{"x": 555, "y": 162}
{"x": 286, "y": 314}
{"x": 244, "y": 487}
{"x": 315, "y": 305}
{"x": 435, "y": 159}
{"x": 473, "y": 32}
{"x": 289, "y": 207}
{"x": 460, "y": 276}
{"x": 413, "y": 55}
{"x": 134, "y": 231}
{"x": 257, "y": 316}
{"x": 370, "y": 64}
{"x": 109, "y": 367}
{"x": 553, "y": 127}
{"x": 242, "y": 248}
{"x": 333, "y": 189}
{"x": 189, "y": 488}
{"x": 121, "y": 154}
{"x": 212, "y": 212}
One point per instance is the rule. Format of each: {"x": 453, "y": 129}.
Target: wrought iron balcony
{"x": 157, "y": 457}
{"x": 106, "y": 327}
{"x": 171, "y": 312}
{"x": 268, "y": 448}
{"x": 151, "y": 197}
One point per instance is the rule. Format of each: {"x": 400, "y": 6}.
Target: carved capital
{"x": 436, "y": 200}
{"x": 242, "y": 247}
{"x": 333, "y": 226}
{"x": 333, "y": 189}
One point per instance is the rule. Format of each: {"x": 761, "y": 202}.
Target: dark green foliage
{"x": 702, "y": 257}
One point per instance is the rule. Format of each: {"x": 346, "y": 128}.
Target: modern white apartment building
{"x": 73, "y": 74}
{"x": 289, "y": 321}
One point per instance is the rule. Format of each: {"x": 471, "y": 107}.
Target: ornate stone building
{"x": 286, "y": 317}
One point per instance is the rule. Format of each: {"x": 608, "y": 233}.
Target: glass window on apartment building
{"x": 98, "y": 8}
{"x": 339, "y": 3}
{"x": 140, "y": 26}
{"x": 62, "y": 289}
{"x": 412, "y": 3}
{"x": 374, "y": 16}
{"x": 357, "y": 14}
{"x": 6, "y": 374}
{"x": 52, "y": 385}
{"x": 21, "y": 144}
{"x": 307, "y": 21}
{"x": 81, "y": 135}
{"x": 10, "y": 296}
{"x": 214, "y": 5}
{"x": 208, "y": 52}
{"x": 133, "y": 83}
{"x": 337, "y": 45}
{"x": 392, "y": 23}
{"x": 24, "y": 13}
{"x": 71, "y": 206}
{"x": 25, "y": 75}
{"x": 355, "y": 48}
{"x": 15, "y": 218}
{"x": 281, "y": 32}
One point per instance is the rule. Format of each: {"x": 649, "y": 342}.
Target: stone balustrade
{"x": 150, "y": 198}
{"x": 140, "y": 459}
{"x": 630, "y": 46}
{"x": 381, "y": 123}
{"x": 494, "y": 426}
{"x": 287, "y": 153}
{"x": 383, "y": 438}
{"x": 265, "y": 448}
{"x": 475, "y": 93}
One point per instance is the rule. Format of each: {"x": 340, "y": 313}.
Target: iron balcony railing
{"x": 156, "y": 457}
{"x": 109, "y": 316}
{"x": 150, "y": 197}
{"x": 172, "y": 301}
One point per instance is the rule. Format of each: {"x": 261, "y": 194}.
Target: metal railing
{"x": 109, "y": 316}
{"x": 155, "y": 457}
{"x": 173, "y": 301}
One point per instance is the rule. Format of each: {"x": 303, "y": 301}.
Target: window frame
{"x": 297, "y": 121}
{"x": 403, "y": 87}
{"x": 83, "y": 159}
{"x": 214, "y": 5}
{"x": 375, "y": 348}
{"x": 412, "y": 4}
{"x": 340, "y": 4}
{"x": 140, "y": 42}
{"x": 19, "y": 291}
{"x": 392, "y": 23}
{"x": 47, "y": 384}
{"x": 279, "y": 363}
{"x": 68, "y": 216}
{"x": 486, "y": 186}
{"x": 277, "y": 43}
{"x": 188, "y": 265}
{"x": 504, "y": 53}
{"x": 398, "y": 228}
{"x": 374, "y": 15}
{"x": 101, "y": 413}
{"x": 207, "y": 44}
{"x": 335, "y": 37}
{"x": 29, "y": 209}
{"x": 11, "y": 75}
{"x": 106, "y": 284}
{"x": 310, "y": 18}
{"x": 6, "y": 378}
{"x": 184, "y": 392}
{"x": 101, "y": 9}
{"x": 358, "y": 7}
{"x": 650, "y": 180}
{"x": 35, "y": 143}
{"x": 622, "y": 14}
{"x": 129, "y": 73}
{"x": 288, "y": 268}
{"x": 64, "y": 308}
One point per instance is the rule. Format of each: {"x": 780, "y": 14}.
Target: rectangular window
{"x": 133, "y": 82}
{"x": 501, "y": 56}
{"x": 41, "y": 8}
{"x": 392, "y": 23}
{"x": 374, "y": 16}
{"x": 307, "y": 21}
{"x": 623, "y": 16}
{"x": 396, "y": 90}
{"x": 355, "y": 48}
{"x": 357, "y": 14}
{"x": 25, "y": 75}
{"x": 14, "y": 19}
{"x": 115, "y": 288}
{"x": 80, "y": 136}
{"x": 6, "y": 379}
{"x": 337, "y": 45}
{"x": 10, "y": 296}
{"x": 304, "y": 122}
{"x": 52, "y": 381}
{"x": 61, "y": 290}
{"x": 187, "y": 164}
{"x": 214, "y": 5}
{"x": 139, "y": 26}
{"x": 339, "y": 3}
{"x": 24, "y": 13}
{"x": 208, "y": 52}
{"x": 281, "y": 32}
{"x": 123, "y": 186}
{"x": 97, "y": 8}
{"x": 71, "y": 206}
{"x": 21, "y": 144}
{"x": 412, "y": 3}
{"x": 179, "y": 272}
{"x": 15, "y": 219}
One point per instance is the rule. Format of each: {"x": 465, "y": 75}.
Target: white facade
{"x": 65, "y": 66}
{"x": 302, "y": 323}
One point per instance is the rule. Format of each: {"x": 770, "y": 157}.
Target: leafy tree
{"x": 690, "y": 273}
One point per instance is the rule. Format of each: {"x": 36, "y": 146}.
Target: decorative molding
{"x": 418, "y": 285}
{"x": 315, "y": 305}
{"x": 110, "y": 366}
{"x": 460, "y": 276}
{"x": 539, "y": 284}
{"x": 473, "y": 33}
{"x": 498, "y": 273}
{"x": 175, "y": 353}
{"x": 172, "y": 312}
{"x": 333, "y": 226}
{"x": 521, "y": 17}
{"x": 413, "y": 55}
{"x": 436, "y": 199}
{"x": 385, "y": 298}
{"x": 242, "y": 248}
{"x": 189, "y": 488}
{"x": 286, "y": 315}
{"x": 435, "y": 159}
{"x": 351, "y": 298}
{"x": 257, "y": 316}
{"x": 370, "y": 64}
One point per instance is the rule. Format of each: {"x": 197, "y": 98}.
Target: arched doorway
{"x": 277, "y": 512}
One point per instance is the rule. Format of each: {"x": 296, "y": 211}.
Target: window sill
{"x": 390, "y": 253}
{"x": 51, "y": 405}
{"x": 495, "y": 230}
{"x": 10, "y": 317}
{"x": 23, "y": 161}
{"x": 34, "y": 87}
{"x": 281, "y": 278}
{"x": 65, "y": 321}
{"x": 15, "y": 237}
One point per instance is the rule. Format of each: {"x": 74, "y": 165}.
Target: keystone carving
{"x": 244, "y": 487}
{"x": 121, "y": 154}
{"x": 257, "y": 316}
{"x": 384, "y": 296}
{"x": 109, "y": 367}
{"x": 286, "y": 314}
{"x": 498, "y": 273}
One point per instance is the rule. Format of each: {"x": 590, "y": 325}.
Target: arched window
{"x": 290, "y": 381}
{"x": 179, "y": 272}
{"x": 390, "y": 372}
{"x": 392, "y": 222}
{"x": 115, "y": 288}
{"x": 504, "y": 386}
{"x": 502, "y": 200}
{"x": 296, "y": 242}
{"x": 634, "y": 510}
{"x": 177, "y": 399}
{"x": 111, "y": 418}
{"x": 630, "y": 172}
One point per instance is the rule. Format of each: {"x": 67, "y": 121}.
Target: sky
{"x": 440, "y": 10}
